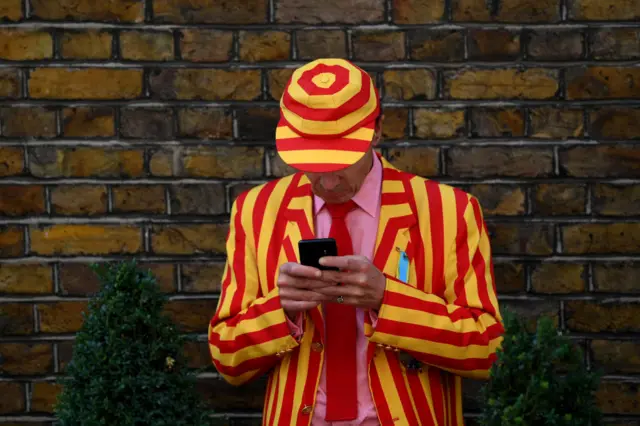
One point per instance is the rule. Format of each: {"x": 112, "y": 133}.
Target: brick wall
{"x": 129, "y": 126}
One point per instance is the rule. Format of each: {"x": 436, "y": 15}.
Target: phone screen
{"x": 312, "y": 250}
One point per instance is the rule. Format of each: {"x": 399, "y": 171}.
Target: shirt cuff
{"x": 373, "y": 315}
{"x": 295, "y": 327}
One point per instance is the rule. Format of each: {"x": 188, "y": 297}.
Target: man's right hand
{"x": 296, "y": 287}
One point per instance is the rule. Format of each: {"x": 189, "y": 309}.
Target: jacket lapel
{"x": 300, "y": 225}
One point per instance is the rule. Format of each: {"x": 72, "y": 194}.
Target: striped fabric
{"x": 327, "y": 115}
{"x": 446, "y": 316}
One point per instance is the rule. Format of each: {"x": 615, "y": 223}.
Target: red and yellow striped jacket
{"x": 446, "y": 316}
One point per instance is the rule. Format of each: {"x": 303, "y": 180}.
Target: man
{"x": 386, "y": 339}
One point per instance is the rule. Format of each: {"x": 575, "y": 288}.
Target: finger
{"x": 301, "y": 283}
{"x": 355, "y": 278}
{"x": 297, "y": 305}
{"x": 344, "y": 291}
{"x": 351, "y": 263}
{"x": 295, "y": 294}
{"x": 298, "y": 270}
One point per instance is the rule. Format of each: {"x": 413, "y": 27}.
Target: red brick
{"x": 11, "y": 10}
{"x": 603, "y": 83}
{"x": 278, "y": 167}
{"x": 205, "y": 84}
{"x": 615, "y": 123}
{"x": 257, "y": 123}
{"x": 277, "y": 81}
{"x": 197, "y": 354}
{"x": 24, "y": 359}
{"x": 521, "y": 238}
{"x": 21, "y": 200}
{"x": 89, "y": 10}
{"x": 553, "y": 123}
{"x": 494, "y": 45}
{"x": 314, "y": 44}
{"x": 202, "y": 278}
{"x": 559, "y": 199}
{"x": 394, "y": 125}
{"x": 11, "y": 241}
{"x": 235, "y": 190}
{"x": 499, "y": 161}
{"x": 189, "y": 239}
{"x": 614, "y": 277}
{"x": 533, "y": 83}
{"x": 139, "y": 199}
{"x": 378, "y": 45}
{"x": 25, "y": 45}
{"x": 494, "y": 122}
{"x": 223, "y": 162}
{"x": 601, "y": 238}
{"x": 593, "y": 317}
{"x": 256, "y": 46}
{"x": 504, "y": 200}
{"x": 530, "y": 313}
{"x": 78, "y": 279}
{"x": 26, "y": 279}
{"x": 13, "y": 398}
{"x": 146, "y": 123}
{"x": 329, "y": 11}
{"x": 146, "y": 45}
{"x": 604, "y": 10}
{"x": 418, "y": 11}
{"x": 165, "y": 275}
{"x": 29, "y": 122}
{"x": 85, "y": 239}
{"x": 509, "y": 278}
{"x": 543, "y": 11}
{"x": 615, "y": 356}
{"x": 205, "y": 199}
{"x": 85, "y": 83}
{"x": 44, "y": 396}
{"x": 16, "y": 319}
{"x": 88, "y": 122}
{"x": 85, "y": 162}
{"x": 61, "y": 317}
{"x": 82, "y": 200}
{"x": 422, "y": 161}
{"x": 10, "y": 86}
{"x": 191, "y": 315}
{"x": 615, "y": 43}
{"x": 200, "y": 45}
{"x": 210, "y": 11}
{"x": 408, "y": 85}
{"x": 439, "y": 124}
{"x": 616, "y": 200}
{"x": 558, "y": 278}
{"x": 555, "y": 45}
{"x": 601, "y": 161}
{"x": 436, "y": 45}
{"x": 205, "y": 123}
{"x": 91, "y": 44}
{"x": 619, "y": 398}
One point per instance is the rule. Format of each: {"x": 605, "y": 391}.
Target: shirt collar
{"x": 368, "y": 197}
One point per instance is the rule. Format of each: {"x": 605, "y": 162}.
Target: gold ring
{"x": 340, "y": 299}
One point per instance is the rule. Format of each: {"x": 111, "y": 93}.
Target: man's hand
{"x": 299, "y": 287}
{"x": 362, "y": 286}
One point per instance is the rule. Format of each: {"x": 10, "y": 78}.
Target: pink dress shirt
{"x": 363, "y": 225}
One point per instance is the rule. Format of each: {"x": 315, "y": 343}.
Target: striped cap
{"x": 327, "y": 116}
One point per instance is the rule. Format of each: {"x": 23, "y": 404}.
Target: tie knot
{"x": 340, "y": 210}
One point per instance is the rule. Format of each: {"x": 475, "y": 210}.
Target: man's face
{"x": 342, "y": 185}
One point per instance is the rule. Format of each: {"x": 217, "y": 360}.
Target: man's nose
{"x": 329, "y": 181}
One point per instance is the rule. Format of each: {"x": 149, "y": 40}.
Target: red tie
{"x": 342, "y": 392}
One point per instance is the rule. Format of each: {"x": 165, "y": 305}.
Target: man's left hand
{"x": 362, "y": 284}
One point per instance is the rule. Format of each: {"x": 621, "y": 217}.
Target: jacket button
{"x": 317, "y": 347}
{"x": 306, "y": 409}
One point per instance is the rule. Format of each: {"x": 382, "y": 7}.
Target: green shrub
{"x": 539, "y": 379}
{"x": 128, "y": 367}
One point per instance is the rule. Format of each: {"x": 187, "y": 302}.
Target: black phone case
{"x": 312, "y": 250}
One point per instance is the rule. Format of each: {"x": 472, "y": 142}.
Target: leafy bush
{"x": 127, "y": 367}
{"x": 539, "y": 379}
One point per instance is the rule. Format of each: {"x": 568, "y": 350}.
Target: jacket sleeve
{"x": 248, "y": 333}
{"x": 461, "y": 331}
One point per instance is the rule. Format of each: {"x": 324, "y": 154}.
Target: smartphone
{"x": 312, "y": 250}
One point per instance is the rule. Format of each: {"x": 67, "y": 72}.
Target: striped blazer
{"x": 445, "y": 318}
